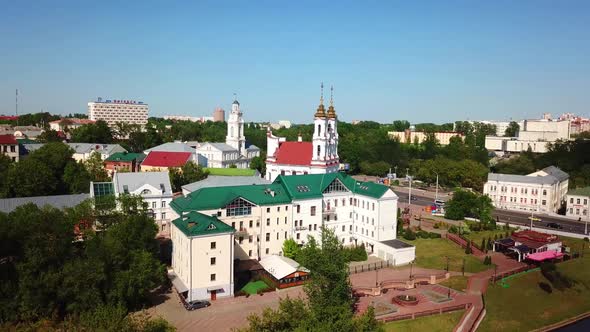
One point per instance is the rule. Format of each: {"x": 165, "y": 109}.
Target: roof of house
{"x": 166, "y": 159}
{"x": 84, "y": 148}
{"x": 397, "y": 244}
{"x": 585, "y": 191}
{"x": 30, "y": 147}
{"x": 220, "y": 146}
{"x": 294, "y": 153}
{"x": 126, "y": 156}
{"x": 172, "y": 147}
{"x": 74, "y": 120}
{"x": 252, "y": 147}
{"x": 8, "y": 139}
{"x": 224, "y": 181}
{"x": 556, "y": 173}
{"x": 232, "y": 171}
{"x": 195, "y": 224}
{"x": 7, "y": 205}
{"x": 134, "y": 181}
{"x": 283, "y": 190}
{"x": 281, "y": 266}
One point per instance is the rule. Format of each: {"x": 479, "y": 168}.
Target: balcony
{"x": 300, "y": 228}
{"x": 242, "y": 232}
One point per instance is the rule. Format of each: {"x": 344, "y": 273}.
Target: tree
{"x": 30, "y": 178}
{"x": 49, "y": 136}
{"x": 468, "y": 249}
{"x": 512, "y": 129}
{"x": 291, "y": 249}
{"x": 98, "y": 132}
{"x": 459, "y": 207}
{"x": 259, "y": 164}
{"x": 95, "y": 167}
{"x": 76, "y": 178}
{"x": 188, "y": 173}
{"x": 400, "y": 125}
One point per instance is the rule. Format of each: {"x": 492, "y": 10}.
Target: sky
{"x": 423, "y": 61}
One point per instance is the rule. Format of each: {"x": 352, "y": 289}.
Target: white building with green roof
{"x": 263, "y": 216}
{"x": 578, "y": 203}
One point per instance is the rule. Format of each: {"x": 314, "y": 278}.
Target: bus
{"x": 439, "y": 202}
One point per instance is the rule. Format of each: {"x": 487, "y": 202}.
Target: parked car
{"x": 554, "y": 225}
{"x": 197, "y": 304}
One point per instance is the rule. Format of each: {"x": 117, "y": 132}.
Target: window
{"x": 267, "y": 210}
{"x": 285, "y": 220}
{"x": 373, "y": 206}
{"x": 313, "y": 210}
{"x": 266, "y": 251}
{"x": 241, "y": 239}
{"x": 318, "y": 150}
{"x": 285, "y": 235}
{"x": 315, "y": 227}
{"x": 585, "y": 201}
{"x": 163, "y": 215}
{"x": 213, "y": 245}
{"x": 250, "y": 224}
{"x": 287, "y": 208}
{"x": 298, "y": 208}
{"x": 238, "y": 207}
{"x": 578, "y": 201}
{"x": 584, "y": 212}
{"x": 250, "y": 253}
{"x": 267, "y": 221}
{"x": 343, "y": 228}
{"x": 577, "y": 211}
{"x": 372, "y": 234}
{"x": 257, "y": 223}
{"x": 350, "y": 228}
{"x": 154, "y": 205}
{"x": 233, "y": 225}
{"x": 163, "y": 204}
{"x": 277, "y": 221}
{"x": 572, "y": 200}
{"x": 297, "y": 235}
{"x": 213, "y": 260}
{"x": 250, "y": 238}
{"x": 278, "y": 209}
{"x": 212, "y": 276}
{"x": 571, "y": 210}
{"x": 544, "y": 192}
{"x": 267, "y": 237}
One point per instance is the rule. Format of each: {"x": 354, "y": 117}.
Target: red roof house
{"x": 294, "y": 153}
{"x": 8, "y": 139}
{"x": 161, "y": 160}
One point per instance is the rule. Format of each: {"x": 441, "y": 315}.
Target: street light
{"x": 447, "y": 263}
{"x": 436, "y": 194}
{"x": 410, "y": 190}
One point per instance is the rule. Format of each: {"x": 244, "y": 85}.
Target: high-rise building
{"x": 113, "y": 111}
{"x": 218, "y": 115}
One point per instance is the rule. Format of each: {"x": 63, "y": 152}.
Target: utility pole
{"x": 410, "y": 191}
{"x": 532, "y": 216}
{"x": 436, "y": 194}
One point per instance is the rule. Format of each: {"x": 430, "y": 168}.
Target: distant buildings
{"x": 541, "y": 191}
{"x": 410, "y": 136}
{"x": 320, "y": 156}
{"x": 578, "y": 203}
{"x": 9, "y": 147}
{"x": 113, "y": 111}
{"x": 218, "y": 115}
{"x": 66, "y": 124}
{"x": 157, "y": 161}
{"x": 533, "y": 135}
{"x": 83, "y": 151}
{"x": 124, "y": 161}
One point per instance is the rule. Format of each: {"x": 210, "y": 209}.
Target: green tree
{"x": 259, "y": 164}
{"x": 76, "y": 178}
{"x": 30, "y": 178}
{"x": 512, "y": 129}
{"x": 188, "y": 173}
{"x": 400, "y": 125}
{"x": 95, "y": 167}
{"x": 49, "y": 136}
{"x": 98, "y": 132}
{"x": 291, "y": 249}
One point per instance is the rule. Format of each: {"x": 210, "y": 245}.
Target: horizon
{"x": 423, "y": 62}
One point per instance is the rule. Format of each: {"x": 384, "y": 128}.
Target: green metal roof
{"x": 195, "y": 224}
{"x": 231, "y": 171}
{"x": 585, "y": 191}
{"x": 126, "y": 156}
{"x": 218, "y": 197}
{"x": 284, "y": 190}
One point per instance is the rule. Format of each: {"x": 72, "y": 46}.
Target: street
{"x": 425, "y": 198}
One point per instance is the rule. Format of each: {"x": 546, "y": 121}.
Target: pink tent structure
{"x": 544, "y": 255}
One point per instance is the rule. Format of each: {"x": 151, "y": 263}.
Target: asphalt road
{"x": 513, "y": 217}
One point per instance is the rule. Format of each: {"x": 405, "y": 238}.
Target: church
{"x": 234, "y": 150}
{"x": 320, "y": 156}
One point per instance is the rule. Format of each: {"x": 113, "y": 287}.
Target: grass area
{"x": 253, "y": 287}
{"x": 432, "y": 253}
{"x": 524, "y": 306}
{"x": 476, "y": 237}
{"x": 443, "y": 323}
{"x": 457, "y": 282}
{"x": 231, "y": 171}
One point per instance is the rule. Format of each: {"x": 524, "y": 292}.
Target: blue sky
{"x": 417, "y": 60}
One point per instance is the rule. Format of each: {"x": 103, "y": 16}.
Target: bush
{"x": 434, "y": 235}
{"x": 586, "y": 239}
{"x": 468, "y": 250}
{"x": 409, "y": 235}
{"x": 355, "y": 254}
{"x": 556, "y": 278}
{"x": 487, "y": 260}
{"x": 546, "y": 287}
{"x": 453, "y": 229}
{"x": 436, "y": 226}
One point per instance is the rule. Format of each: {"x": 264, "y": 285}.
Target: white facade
{"x": 578, "y": 204}
{"x": 533, "y": 134}
{"x": 443, "y": 137}
{"x": 113, "y": 111}
{"x": 542, "y": 191}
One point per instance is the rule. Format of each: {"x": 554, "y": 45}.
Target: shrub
{"x": 586, "y": 239}
{"x": 482, "y": 247}
{"x": 453, "y": 229}
{"x": 409, "y": 235}
{"x": 490, "y": 245}
{"x": 422, "y": 234}
{"x": 355, "y": 254}
{"x": 434, "y": 235}
{"x": 468, "y": 250}
{"x": 556, "y": 278}
{"x": 436, "y": 226}
{"x": 546, "y": 287}
{"x": 487, "y": 260}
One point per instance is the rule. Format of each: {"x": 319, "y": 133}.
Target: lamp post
{"x": 463, "y": 267}
{"x": 447, "y": 263}
{"x": 410, "y": 190}
{"x": 436, "y": 192}
{"x": 411, "y": 267}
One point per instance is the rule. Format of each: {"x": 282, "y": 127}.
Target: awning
{"x": 214, "y": 288}
{"x": 544, "y": 255}
{"x": 523, "y": 249}
{"x": 177, "y": 283}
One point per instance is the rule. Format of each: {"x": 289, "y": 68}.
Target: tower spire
{"x": 321, "y": 111}
{"x": 331, "y": 95}
{"x": 322, "y": 93}
{"x": 331, "y": 110}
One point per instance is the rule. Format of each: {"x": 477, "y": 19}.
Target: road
{"x": 425, "y": 198}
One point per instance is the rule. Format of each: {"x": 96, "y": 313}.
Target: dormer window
{"x": 211, "y": 227}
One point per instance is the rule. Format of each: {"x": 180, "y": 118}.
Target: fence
{"x": 369, "y": 267}
{"x": 425, "y": 313}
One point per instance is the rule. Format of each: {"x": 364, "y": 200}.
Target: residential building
{"x": 409, "y": 136}
{"x": 30, "y": 132}
{"x": 124, "y": 161}
{"x": 200, "y": 119}
{"x": 541, "y": 191}
{"x": 533, "y": 134}
{"x": 83, "y": 151}
{"x": 234, "y": 150}
{"x": 153, "y": 187}
{"x": 68, "y": 124}
{"x": 218, "y": 115}
{"x": 113, "y": 111}
{"x": 175, "y": 146}
{"x": 9, "y": 147}
{"x": 578, "y": 203}
{"x": 157, "y": 161}
{"x": 261, "y": 217}
{"x": 320, "y": 156}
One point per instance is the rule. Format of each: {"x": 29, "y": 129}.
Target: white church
{"x": 320, "y": 156}
{"x": 234, "y": 150}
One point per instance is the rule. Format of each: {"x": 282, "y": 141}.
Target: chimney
{"x": 299, "y": 139}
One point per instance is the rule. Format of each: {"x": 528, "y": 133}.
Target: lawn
{"x": 457, "y": 282}
{"x": 231, "y": 171}
{"x": 433, "y": 253}
{"x": 254, "y": 287}
{"x": 523, "y": 306}
{"x": 443, "y": 323}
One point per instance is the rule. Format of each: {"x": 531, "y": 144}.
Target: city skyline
{"x": 427, "y": 62}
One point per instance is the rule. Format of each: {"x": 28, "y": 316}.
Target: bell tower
{"x": 320, "y": 132}
{"x": 235, "y": 129}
